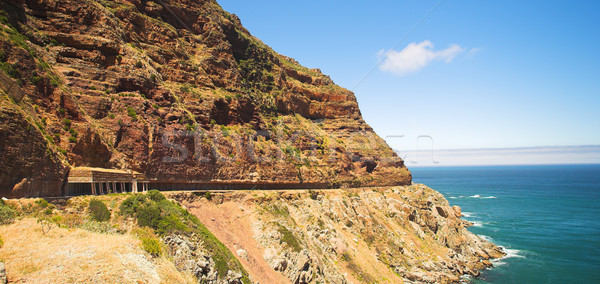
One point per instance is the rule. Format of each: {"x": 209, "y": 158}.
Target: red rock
{"x": 132, "y": 73}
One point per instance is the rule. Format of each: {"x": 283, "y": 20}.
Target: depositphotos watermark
{"x": 279, "y": 144}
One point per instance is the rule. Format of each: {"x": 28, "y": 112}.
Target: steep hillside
{"x": 373, "y": 235}
{"x": 178, "y": 90}
{"x": 401, "y": 234}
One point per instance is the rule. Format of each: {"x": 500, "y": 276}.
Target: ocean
{"x": 546, "y": 217}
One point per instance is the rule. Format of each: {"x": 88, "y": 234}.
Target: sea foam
{"x": 484, "y": 197}
{"x": 487, "y": 238}
{"x": 510, "y": 253}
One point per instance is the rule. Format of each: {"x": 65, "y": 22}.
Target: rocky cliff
{"x": 178, "y": 90}
{"x": 373, "y": 235}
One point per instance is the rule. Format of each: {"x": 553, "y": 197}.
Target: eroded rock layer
{"x": 178, "y": 90}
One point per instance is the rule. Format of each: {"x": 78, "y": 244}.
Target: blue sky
{"x": 474, "y": 74}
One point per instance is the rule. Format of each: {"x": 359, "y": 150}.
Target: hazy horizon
{"x": 541, "y": 155}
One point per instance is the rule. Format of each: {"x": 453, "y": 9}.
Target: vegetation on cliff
{"x": 176, "y": 90}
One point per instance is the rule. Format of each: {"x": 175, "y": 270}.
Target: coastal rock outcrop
{"x": 389, "y": 234}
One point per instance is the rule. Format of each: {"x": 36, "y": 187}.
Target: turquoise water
{"x": 547, "y": 218}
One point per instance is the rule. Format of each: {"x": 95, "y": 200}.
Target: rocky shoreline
{"x": 387, "y": 234}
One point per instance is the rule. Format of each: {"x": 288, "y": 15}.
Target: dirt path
{"x": 230, "y": 223}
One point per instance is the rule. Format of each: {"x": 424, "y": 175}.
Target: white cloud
{"x": 416, "y": 56}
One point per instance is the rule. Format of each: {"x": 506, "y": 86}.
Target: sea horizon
{"x": 500, "y": 165}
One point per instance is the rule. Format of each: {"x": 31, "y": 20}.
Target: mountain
{"x": 176, "y": 90}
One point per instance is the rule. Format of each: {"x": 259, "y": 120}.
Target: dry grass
{"x": 79, "y": 256}
{"x": 169, "y": 273}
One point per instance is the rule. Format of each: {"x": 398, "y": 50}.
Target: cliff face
{"x": 372, "y": 235}
{"x": 178, "y": 90}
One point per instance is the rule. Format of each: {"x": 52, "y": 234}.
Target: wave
{"x": 467, "y": 214}
{"x": 513, "y": 253}
{"x": 484, "y": 197}
{"x": 510, "y": 253}
{"x": 476, "y": 224}
{"x": 487, "y": 238}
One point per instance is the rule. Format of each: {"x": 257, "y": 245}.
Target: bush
{"x": 132, "y": 113}
{"x": 152, "y": 246}
{"x": 131, "y": 205}
{"x": 170, "y": 223}
{"x": 289, "y": 239}
{"x": 99, "y": 211}
{"x": 155, "y": 195}
{"x": 148, "y": 215}
{"x": 153, "y": 210}
{"x": 7, "y": 214}
{"x": 1, "y": 242}
{"x": 42, "y": 203}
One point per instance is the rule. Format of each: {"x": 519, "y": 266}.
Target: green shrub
{"x": 10, "y": 70}
{"x": 35, "y": 80}
{"x": 152, "y": 246}
{"x": 1, "y": 242}
{"x": 7, "y": 214}
{"x": 148, "y": 215}
{"x": 73, "y": 139}
{"x": 208, "y": 195}
{"x": 170, "y": 223}
{"x": 132, "y": 113}
{"x": 99, "y": 211}
{"x": 289, "y": 239}
{"x": 131, "y": 205}
{"x": 66, "y": 121}
{"x": 42, "y": 203}
{"x": 155, "y": 195}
